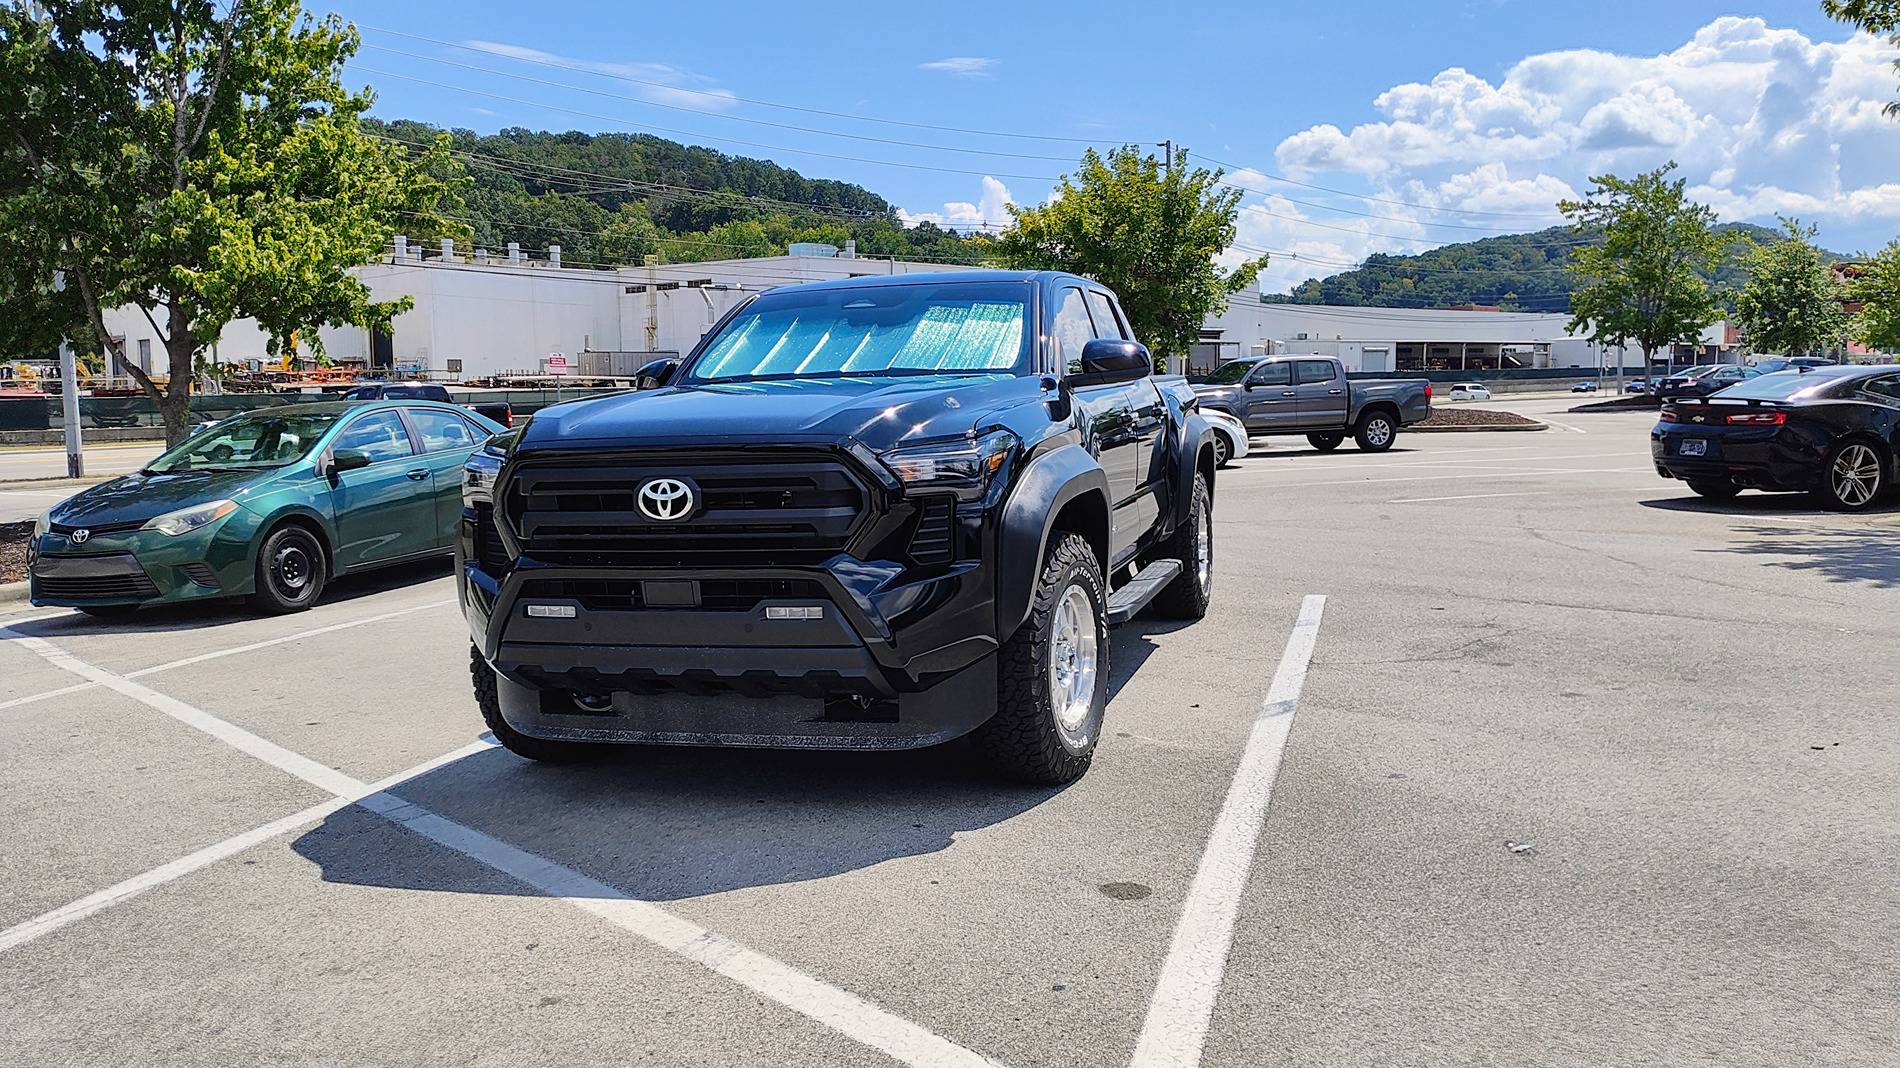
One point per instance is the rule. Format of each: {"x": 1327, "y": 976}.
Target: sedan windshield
{"x": 1229, "y": 373}
{"x": 261, "y": 440}
{"x": 928, "y": 328}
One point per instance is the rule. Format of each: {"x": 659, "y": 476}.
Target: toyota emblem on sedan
{"x": 79, "y": 536}
{"x": 665, "y": 499}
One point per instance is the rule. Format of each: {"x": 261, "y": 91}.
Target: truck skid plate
{"x": 1132, "y": 598}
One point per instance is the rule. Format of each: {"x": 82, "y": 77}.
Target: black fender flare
{"x": 1048, "y": 484}
{"x": 1197, "y": 436}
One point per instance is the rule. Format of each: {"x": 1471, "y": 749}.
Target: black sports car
{"x": 1830, "y": 430}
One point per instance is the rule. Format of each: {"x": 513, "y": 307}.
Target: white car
{"x": 1230, "y": 436}
{"x": 1469, "y": 391}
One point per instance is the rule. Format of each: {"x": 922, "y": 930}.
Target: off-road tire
{"x": 1325, "y": 442}
{"x": 1021, "y": 740}
{"x": 272, "y": 593}
{"x": 1187, "y": 596}
{"x": 488, "y": 698}
{"x": 1368, "y": 434}
{"x": 1715, "y": 491}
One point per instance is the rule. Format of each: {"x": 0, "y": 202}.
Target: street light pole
{"x": 69, "y": 396}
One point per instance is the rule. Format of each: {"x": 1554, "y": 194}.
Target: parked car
{"x": 1585, "y": 386}
{"x": 1636, "y": 385}
{"x": 1830, "y": 431}
{"x": 433, "y": 391}
{"x": 1771, "y": 364}
{"x": 1310, "y": 395}
{"x": 875, "y": 512}
{"x": 270, "y": 505}
{"x": 1470, "y": 391}
{"x": 1703, "y": 380}
{"x": 1230, "y": 437}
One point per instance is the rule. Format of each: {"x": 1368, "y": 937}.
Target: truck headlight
{"x": 964, "y": 464}
{"x": 42, "y": 524}
{"x": 186, "y": 520}
{"x": 479, "y": 474}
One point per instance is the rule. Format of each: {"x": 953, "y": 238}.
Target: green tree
{"x": 1878, "y": 17}
{"x": 1642, "y": 279}
{"x": 1876, "y": 287}
{"x": 1149, "y": 233}
{"x": 630, "y": 238}
{"x": 1791, "y": 303}
{"x": 219, "y": 172}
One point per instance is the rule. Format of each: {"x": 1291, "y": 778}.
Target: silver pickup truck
{"x": 1310, "y": 395}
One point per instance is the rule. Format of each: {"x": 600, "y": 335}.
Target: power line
{"x": 724, "y": 97}
{"x": 1381, "y": 200}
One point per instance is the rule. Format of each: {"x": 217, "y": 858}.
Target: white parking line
{"x": 217, "y": 654}
{"x": 839, "y": 1009}
{"x": 1467, "y": 497}
{"x": 1176, "y": 1027}
{"x": 48, "y": 922}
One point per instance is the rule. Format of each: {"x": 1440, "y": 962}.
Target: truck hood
{"x": 879, "y": 413}
{"x": 1218, "y": 396}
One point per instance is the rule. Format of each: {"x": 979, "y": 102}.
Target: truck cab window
{"x": 1272, "y": 374}
{"x": 1071, "y": 330}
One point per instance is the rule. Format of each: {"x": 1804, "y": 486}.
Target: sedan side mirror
{"x": 655, "y": 374}
{"x": 1107, "y": 360}
{"x": 342, "y": 460}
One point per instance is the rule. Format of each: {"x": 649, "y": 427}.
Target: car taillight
{"x": 1428, "y": 391}
{"x": 1668, "y": 416}
{"x": 1758, "y": 419}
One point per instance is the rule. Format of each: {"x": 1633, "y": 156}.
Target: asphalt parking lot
{"x": 1582, "y": 770}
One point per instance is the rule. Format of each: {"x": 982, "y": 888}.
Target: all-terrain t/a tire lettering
{"x": 1192, "y": 543}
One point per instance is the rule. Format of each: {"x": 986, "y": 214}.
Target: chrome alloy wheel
{"x": 1856, "y": 475}
{"x": 1204, "y": 551}
{"x": 1379, "y": 431}
{"x": 1073, "y": 662}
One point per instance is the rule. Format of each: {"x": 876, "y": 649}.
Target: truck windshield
{"x": 1228, "y": 373}
{"x": 923, "y": 329}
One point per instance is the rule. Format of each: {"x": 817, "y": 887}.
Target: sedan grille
{"x": 798, "y": 509}
{"x": 100, "y": 587}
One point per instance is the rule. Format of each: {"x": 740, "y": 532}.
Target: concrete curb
{"x": 1503, "y": 428}
{"x": 12, "y": 592}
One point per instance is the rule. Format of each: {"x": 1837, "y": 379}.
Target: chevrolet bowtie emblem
{"x": 1696, "y": 418}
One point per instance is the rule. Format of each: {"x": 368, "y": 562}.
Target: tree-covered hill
{"x": 616, "y": 198}
{"x": 1519, "y": 272}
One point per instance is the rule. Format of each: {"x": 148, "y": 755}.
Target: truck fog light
{"x": 794, "y": 612}
{"x": 551, "y": 611}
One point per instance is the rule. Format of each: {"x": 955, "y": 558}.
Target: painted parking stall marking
{"x": 1176, "y": 1026}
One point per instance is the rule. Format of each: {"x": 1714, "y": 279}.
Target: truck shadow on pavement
{"x": 663, "y": 823}
{"x": 1860, "y": 556}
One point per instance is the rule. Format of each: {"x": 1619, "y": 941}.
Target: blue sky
{"x": 1462, "y": 118}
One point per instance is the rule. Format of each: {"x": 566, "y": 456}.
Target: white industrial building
{"x": 508, "y": 314}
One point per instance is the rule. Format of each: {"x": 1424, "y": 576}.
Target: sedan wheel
{"x": 1856, "y": 478}
{"x": 1222, "y": 451}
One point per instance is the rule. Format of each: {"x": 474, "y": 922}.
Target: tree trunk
{"x": 174, "y": 403}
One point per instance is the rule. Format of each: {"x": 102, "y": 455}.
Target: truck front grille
{"x": 802, "y": 508}
{"x": 714, "y": 595}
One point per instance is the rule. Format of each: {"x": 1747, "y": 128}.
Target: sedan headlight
{"x": 186, "y": 520}
{"x": 964, "y": 465}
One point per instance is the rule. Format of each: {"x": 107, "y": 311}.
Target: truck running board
{"x": 1132, "y": 598}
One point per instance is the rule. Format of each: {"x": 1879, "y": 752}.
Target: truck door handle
{"x": 1334, "y": 392}
{"x": 418, "y": 474}
{"x": 1289, "y": 393}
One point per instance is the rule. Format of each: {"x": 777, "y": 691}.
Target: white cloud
{"x": 961, "y": 66}
{"x": 991, "y": 210}
{"x": 1761, "y": 119}
{"x": 660, "y": 83}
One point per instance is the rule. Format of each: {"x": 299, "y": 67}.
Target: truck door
{"x": 1272, "y": 403}
{"x": 1148, "y": 414}
{"x": 1321, "y": 385}
{"x": 1106, "y": 414}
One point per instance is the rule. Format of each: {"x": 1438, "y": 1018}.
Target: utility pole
{"x": 1167, "y": 148}
{"x": 69, "y": 396}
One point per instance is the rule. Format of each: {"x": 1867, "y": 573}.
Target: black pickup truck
{"x": 879, "y": 512}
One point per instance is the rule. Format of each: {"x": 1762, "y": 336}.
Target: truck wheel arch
{"x": 1064, "y": 489}
{"x": 1195, "y": 457}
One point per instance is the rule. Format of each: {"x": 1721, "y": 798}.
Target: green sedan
{"x": 269, "y": 505}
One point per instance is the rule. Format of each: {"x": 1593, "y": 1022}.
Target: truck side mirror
{"x": 655, "y": 374}
{"x": 1107, "y": 360}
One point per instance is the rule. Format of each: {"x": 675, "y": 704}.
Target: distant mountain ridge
{"x": 1515, "y": 272}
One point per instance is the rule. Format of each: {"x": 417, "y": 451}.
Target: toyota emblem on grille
{"x": 666, "y": 499}
{"x": 79, "y": 536}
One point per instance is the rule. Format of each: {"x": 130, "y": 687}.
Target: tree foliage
{"x": 1876, "y": 287}
{"x": 204, "y": 165}
{"x": 1791, "y": 303}
{"x": 1146, "y": 231}
{"x": 1644, "y": 278}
